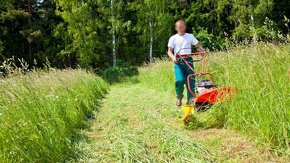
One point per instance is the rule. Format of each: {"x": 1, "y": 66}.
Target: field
{"x": 44, "y": 116}
{"x": 139, "y": 122}
{"x": 90, "y": 81}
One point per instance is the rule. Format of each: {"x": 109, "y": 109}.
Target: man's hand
{"x": 174, "y": 59}
{"x": 171, "y": 55}
{"x": 200, "y": 49}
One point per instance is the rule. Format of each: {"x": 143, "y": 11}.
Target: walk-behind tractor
{"x": 206, "y": 91}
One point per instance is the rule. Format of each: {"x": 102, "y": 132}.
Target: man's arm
{"x": 171, "y": 55}
{"x": 200, "y": 48}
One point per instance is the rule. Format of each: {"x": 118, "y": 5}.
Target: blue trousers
{"x": 181, "y": 73}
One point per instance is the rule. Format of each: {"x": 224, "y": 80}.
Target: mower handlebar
{"x": 202, "y": 59}
{"x": 202, "y": 54}
{"x": 192, "y": 54}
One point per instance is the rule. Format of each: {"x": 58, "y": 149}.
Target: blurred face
{"x": 180, "y": 27}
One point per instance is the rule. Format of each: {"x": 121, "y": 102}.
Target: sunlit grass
{"x": 261, "y": 73}
{"x": 137, "y": 124}
{"x": 40, "y": 114}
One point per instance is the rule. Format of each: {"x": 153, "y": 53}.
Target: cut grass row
{"x": 40, "y": 114}
{"x": 261, "y": 73}
{"x": 136, "y": 124}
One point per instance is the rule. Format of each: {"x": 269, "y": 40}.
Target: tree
{"x": 113, "y": 33}
{"x": 82, "y": 27}
{"x": 153, "y": 22}
{"x": 119, "y": 24}
{"x": 25, "y": 30}
{"x": 102, "y": 33}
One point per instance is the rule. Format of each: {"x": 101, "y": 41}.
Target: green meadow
{"x": 75, "y": 116}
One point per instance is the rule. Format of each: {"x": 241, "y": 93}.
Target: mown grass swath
{"x": 41, "y": 113}
{"x": 261, "y": 73}
{"x": 137, "y": 124}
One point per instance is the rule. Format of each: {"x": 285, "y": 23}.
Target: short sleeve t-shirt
{"x": 182, "y": 44}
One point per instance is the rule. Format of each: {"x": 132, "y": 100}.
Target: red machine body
{"x": 211, "y": 94}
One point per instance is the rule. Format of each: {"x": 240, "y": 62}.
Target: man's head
{"x": 180, "y": 27}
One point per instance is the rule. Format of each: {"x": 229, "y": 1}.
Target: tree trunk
{"x": 151, "y": 41}
{"x": 29, "y": 4}
{"x": 113, "y": 35}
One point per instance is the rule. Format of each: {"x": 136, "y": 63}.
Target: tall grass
{"x": 261, "y": 73}
{"x": 158, "y": 76}
{"x": 40, "y": 114}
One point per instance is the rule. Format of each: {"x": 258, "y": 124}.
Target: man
{"x": 181, "y": 43}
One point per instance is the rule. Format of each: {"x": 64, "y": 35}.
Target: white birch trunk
{"x": 151, "y": 41}
{"x": 114, "y": 49}
{"x": 114, "y": 35}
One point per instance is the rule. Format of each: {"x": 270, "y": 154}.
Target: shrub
{"x": 119, "y": 73}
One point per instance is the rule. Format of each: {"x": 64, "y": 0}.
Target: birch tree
{"x": 153, "y": 22}
{"x": 118, "y": 26}
{"x": 113, "y": 34}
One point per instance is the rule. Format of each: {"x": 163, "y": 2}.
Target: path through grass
{"x": 136, "y": 124}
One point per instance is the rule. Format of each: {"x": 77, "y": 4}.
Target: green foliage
{"x": 209, "y": 40}
{"x": 26, "y": 31}
{"x": 269, "y": 32}
{"x": 40, "y": 114}
{"x": 153, "y": 21}
{"x": 96, "y": 33}
{"x": 1, "y": 47}
{"x": 78, "y": 30}
{"x": 260, "y": 73}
